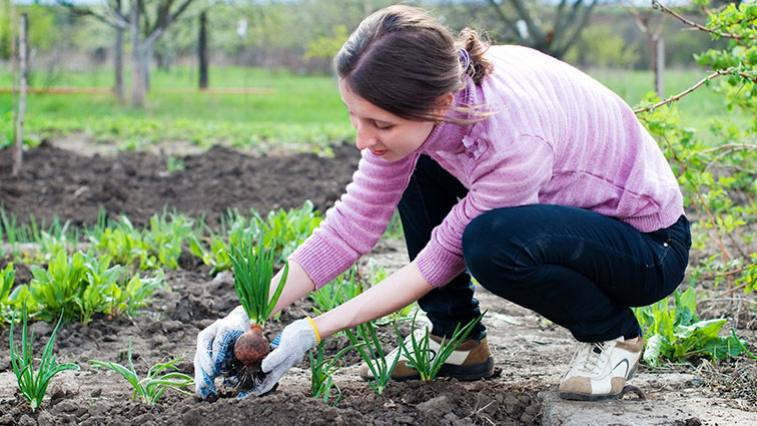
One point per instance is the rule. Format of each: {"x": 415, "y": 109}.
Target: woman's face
{"x": 385, "y": 134}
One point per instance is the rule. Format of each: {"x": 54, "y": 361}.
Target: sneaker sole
{"x": 465, "y": 373}
{"x": 589, "y": 397}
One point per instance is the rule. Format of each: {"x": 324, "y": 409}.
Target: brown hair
{"x": 402, "y": 60}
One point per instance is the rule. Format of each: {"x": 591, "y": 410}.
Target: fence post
{"x": 22, "y": 89}
{"x": 202, "y": 51}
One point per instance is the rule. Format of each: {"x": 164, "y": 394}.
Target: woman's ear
{"x": 443, "y": 103}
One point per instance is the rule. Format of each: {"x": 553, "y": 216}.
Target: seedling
{"x": 7, "y": 278}
{"x": 344, "y": 288}
{"x": 426, "y": 361}
{"x": 676, "y": 333}
{"x": 253, "y": 270}
{"x": 160, "y": 378}
{"x": 33, "y": 384}
{"x": 322, "y": 372}
{"x": 367, "y": 343}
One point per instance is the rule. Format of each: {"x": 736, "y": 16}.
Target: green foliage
{"x": 322, "y": 370}
{"x": 157, "y": 246}
{"x": 718, "y": 181}
{"x": 80, "y": 286}
{"x": 33, "y": 384}
{"x": 675, "y": 333}
{"x": 160, "y": 378}
{"x": 6, "y": 34}
{"x": 343, "y": 288}
{"x": 602, "y": 46}
{"x": 282, "y": 231}
{"x": 253, "y": 271}
{"x": 174, "y": 164}
{"x": 364, "y": 339}
{"x": 326, "y": 47}
{"x": 7, "y": 279}
{"x": 427, "y": 362}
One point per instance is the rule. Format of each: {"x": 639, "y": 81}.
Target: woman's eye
{"x": 383, "y": 126}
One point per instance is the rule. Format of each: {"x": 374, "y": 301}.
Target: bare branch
{"x": 577, "y": 29}
{"x": 509, "y": 22}
{"x": 677, "y": 97}
{"x": 657, "y": 5}
{"x": 525, "y": 15}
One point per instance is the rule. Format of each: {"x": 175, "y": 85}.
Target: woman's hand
{"x": 296, "y": 339}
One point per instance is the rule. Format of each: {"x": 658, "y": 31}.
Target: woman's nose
{"x": 364, "y": 139}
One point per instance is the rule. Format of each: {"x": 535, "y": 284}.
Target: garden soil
{"x": 530, "y": 353}
{"x": 61, "y": 183}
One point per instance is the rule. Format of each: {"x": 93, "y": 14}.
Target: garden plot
{"x": 530, "y": 353}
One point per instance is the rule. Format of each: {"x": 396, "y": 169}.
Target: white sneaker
{"x": 600, "y": 370}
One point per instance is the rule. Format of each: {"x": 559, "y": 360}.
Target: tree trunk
{"x": 146, "y": 54}
{"x": 23, "y": 69}
{"x": 138, "y": 81}
{"x": 659, "y": 66}
{"x": 118, "y": 60}
{"x": 202, "y": 51}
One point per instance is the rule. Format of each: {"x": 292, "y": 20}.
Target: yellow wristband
{"x": 315, "y": 329}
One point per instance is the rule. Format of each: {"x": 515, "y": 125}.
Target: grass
{"x": 300, "y": 112}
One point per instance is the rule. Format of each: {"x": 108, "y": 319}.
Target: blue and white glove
{"x": 215, "y": 350}
{"x": 296, "y": 339}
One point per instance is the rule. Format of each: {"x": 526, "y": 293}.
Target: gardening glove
{"x": 296, "y": 339}
{"x": 215, "y": 350}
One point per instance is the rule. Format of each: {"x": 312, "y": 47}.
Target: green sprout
{"x": 366, "y": 345}
{"x": 33, "y": 384}
{"x": 322, "y": 372}
{"x": 160, "y": 378}
{"x": 253, "y": 271}
{"x": 427, "y": 361}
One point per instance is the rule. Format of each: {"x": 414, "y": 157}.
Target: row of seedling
{"x": 78, "y": 287}
{"x": 32, "y": 382}
{"x": 253, "y": 265}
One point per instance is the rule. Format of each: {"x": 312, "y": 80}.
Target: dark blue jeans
{"x": 577, "y": 268}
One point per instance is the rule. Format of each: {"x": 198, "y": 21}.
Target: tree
{"x": 651, "y": 24}
{"x": 146, "y": 21}
{"x": 519, "y": 23}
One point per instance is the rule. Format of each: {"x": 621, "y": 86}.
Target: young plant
{"x": 676, "y": 333}
{"x": 160, "y": 378}
{"x": 426, "y": 361}
{"x": 322, "y": 372}
{"x": 367, "y": 343}
{"x": 253, "y": 270}
{"x": 33, "y": 384}
{"x": 7, "y": 278}
{"x": 345, "y": 287}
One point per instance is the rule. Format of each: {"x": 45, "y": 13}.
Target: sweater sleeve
{"x": 357, "y": 220}
{"x": 511, "y": 176}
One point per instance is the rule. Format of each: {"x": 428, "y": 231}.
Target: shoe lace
{"x": 590, "y": 357}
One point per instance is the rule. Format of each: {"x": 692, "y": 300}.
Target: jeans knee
{"x": 478, "y": 244}
{"x": 495, "y": 249}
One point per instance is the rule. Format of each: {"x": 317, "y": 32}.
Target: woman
{"x": 507, "y": 165}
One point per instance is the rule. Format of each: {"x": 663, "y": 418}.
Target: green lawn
{"x": 301, "y": 112}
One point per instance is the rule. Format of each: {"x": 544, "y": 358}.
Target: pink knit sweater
{"x": 557, "y": 137}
